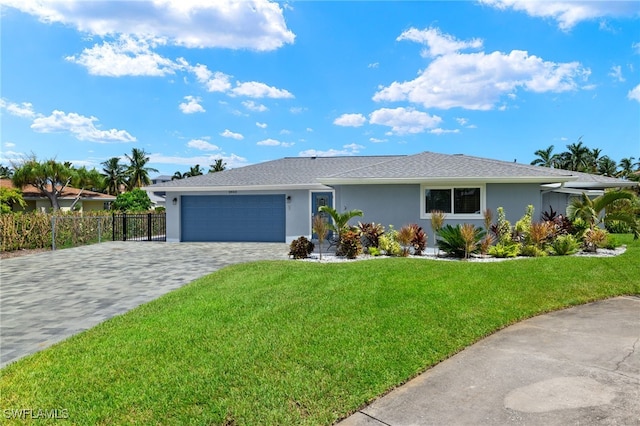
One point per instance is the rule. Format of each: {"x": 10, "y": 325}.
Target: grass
{"x": 295, "y": 342}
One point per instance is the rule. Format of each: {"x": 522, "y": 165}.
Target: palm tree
{"x": 178, "y": 175}
{"x": 607, "y": 166}
{"x": 626, "y": 167}
{"x": 114, "y": 174}
{"x": 137, "y": 171}
{"x": 218, "y": 166}
{"x": 194, "y": 171}
{"x": 545, "y": 158}
{"x": 6, "y": 172}
{"x": 594, "y": 158}
{"x": 340, "y": 220}
{"x": 593, "y": 211}
{"x": 578, "y": 156}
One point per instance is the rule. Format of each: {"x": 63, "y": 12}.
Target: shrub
{"x": 457, "y": 244}
{"x": 301, "y": 248}
{"x": 370, "y": 234}
{"x": 404, "y": 236}
{"x": 523, "y": 226}
{"x": 564, "y": 245}
{"x": 419, "y": 241}
{"x": 374, "y": 251}
{"x": 539, "y": 233}
{"x": 531, "y": 250}
{"x": 437, "y": 221}
{"x": 502, "y": 228}
{"x": 507, "y": 249}
{"x": 594, "y": 238}
{"x": 486, "y": 243}
{"x": 388, "y": 243}
{"x": 579, "y": 227}
{"x": 350, "y": 246}
{"x": 617, "y": 227}
{"x": 612, "y": 242}
{"x": 136, "y": 200}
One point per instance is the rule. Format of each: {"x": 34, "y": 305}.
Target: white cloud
{"x": 568, "y": 13}
{"x": 24, "y": 110}
{"x": 636, "y": 47}
{"x": 253, "y": 106}
{"x": 634, "y": 93}
{"x": 309, "y": 129}
{"x": 202, "y": 145}
{"x": 232, "y": 160}
{"x": 274, "y": 142}
{"x": 462, "y": 121}
{"x": 255, "y": 89}
{"x": 192, "y": 105}
{"x": 9, "y": 145}
{"x": 616, "y": 73}
{"x": 83, "y": 128}
{"x": 351, "y": 149}
{"x": 261, "y": 125}
{"x": 297, "y": 110}
{"x": 478, "y": 80}
{"x": 229, "y": 134}
{"x": 438, "y": 43}
{"x": 373, "y": 65}
{"x": 235, "y": 24}
{"x": 404, "y": 120}
{"x": 376, "y": 140}
{"x": 127, "y": 56}
{"x": 440, "y": 131}
{"x": 350, "y": 120}
{"x": 285, "y": 132}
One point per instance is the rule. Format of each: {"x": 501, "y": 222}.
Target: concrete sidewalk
{"x": 47, "y": 297}
{"x": 579, "y": 366}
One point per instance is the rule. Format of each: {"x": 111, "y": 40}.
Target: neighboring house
{"x": 35, "y": 200}
{"x": 157, "y": 199}
{"x": 276, "y": 200}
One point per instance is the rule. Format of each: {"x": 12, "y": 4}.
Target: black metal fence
{"x": 139, "y": 227}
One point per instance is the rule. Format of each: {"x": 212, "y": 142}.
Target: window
{"x": 461, "y": 202}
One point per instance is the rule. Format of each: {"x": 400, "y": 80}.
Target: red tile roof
{"x": 31, "y": 192}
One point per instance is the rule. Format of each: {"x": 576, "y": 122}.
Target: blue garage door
{"x": 259, "y": 218}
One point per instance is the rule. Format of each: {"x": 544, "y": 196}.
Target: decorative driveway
{"x": 48, "y": 297}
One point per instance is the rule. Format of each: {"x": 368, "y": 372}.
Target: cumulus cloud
{"x": 83, "y": 128}
{"x": 255, "y": 89}
{"x": 350, "y": 120}
{"x": 234, "y": 24}
{"x": 127, "y": 55}
{"x": 274, "y": 142}
{"x": 616, "y": 73}
{"x": 634, "y": 94}
{"x": 438, "y": 43}
{"x": 440, "y": 131}
{"x": 192, "y": 105}
{"x": 568, "y": 13}
{"x": 377, "y": 140}
{"x": 351, "y": 149}
{"x": 478, "y": 80}
{"x": 202, "y": 145}
{"x": 24, "y": 109}
{"x": 404, "y": 120}
{"x": 254, "y": 106}
{"x": 213, "y": 81}
{"x": 261, "y": 125}
{"x": 229, "y": 134}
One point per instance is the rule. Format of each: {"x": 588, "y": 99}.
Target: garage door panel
{"x": 259, "y": 218}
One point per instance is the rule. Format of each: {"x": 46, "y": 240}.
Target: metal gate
{"x": 139, "y": 227}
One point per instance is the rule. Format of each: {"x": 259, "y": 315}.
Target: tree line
{"x": 580, "y": 158}
{"x": 52, "y": 177}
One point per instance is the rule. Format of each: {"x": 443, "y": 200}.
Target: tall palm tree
{"x": 594, "y": 211}
{"x": 607, "y": 166}
{"x": 194, "y": 171}
{"x": 115, "y": 175}
{"x": 578, "y": 157}
{"x": 218, "y": 166}
{"x": 594, "y": 158}
{"x": 178, "y": 175}
{"x": 626, "y": 167}
{"x": 546, "y": 158}
{"x": 137, "y": 171}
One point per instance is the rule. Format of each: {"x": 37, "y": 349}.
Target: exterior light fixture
{"x": 175, "y": 201}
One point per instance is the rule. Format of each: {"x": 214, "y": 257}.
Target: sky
{"x": 250, "y": 81}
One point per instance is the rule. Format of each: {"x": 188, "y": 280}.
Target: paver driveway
{"x": 47, "y": 297}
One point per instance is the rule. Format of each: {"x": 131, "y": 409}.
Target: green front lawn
{"x": 290, "y": 342}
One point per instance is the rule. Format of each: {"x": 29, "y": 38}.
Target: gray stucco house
{"x": 275, "y": 200}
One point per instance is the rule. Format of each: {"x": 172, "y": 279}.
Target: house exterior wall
{"x": 399, "y": 205}
{"x": 557, "y": 200}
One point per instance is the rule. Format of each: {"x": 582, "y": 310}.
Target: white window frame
{"x": 483, "y": 200}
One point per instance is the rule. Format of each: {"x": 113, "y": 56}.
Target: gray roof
{"x": 316, "y": 172}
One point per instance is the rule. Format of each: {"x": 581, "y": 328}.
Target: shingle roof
{"x": 313, "y": 172}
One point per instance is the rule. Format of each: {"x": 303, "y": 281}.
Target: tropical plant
{"x": 340, "y": 220}
{"x": 194, "y": 171}
{"x": 546, "y": 158}
{"x": 370, "y": 234}
{"x": 594, "y": 238}
{"x": 137, "y": 171}
{"x": 389, "y": 243}
{"x": 593, "y": 211}
{"x": 471, "y": 237}
{"x": 136, "y": 200}
{"x": 523, "y": 225}
{"x": 626, "y": 167}
{"x": 564, "y": 245}
{"x": 349, "y": 245}
{"x": 607, "y": 166}
{"x": 6, "y": 172}
{"x": 487, "y": 215}
{"x": 505, "y": 249}
{"x": 114, "y": 174}
{"x": 577, "y": 156}
{"x": 50, "y": 177}
{"x": 404, "y": 236}
{"x": 10, "y": 197}
{"x": 301, "y": 248}
{"x": 502, "y": 228}
{"x": 419, "y": 241}
{"x": 178, "y": 175}
{"x": 321, "y": 229}
{"x": 437, "y": 221}
{"x": 453, "y": 242}
{"x": 486, "y": 243}
{"x": 217, "y": 166}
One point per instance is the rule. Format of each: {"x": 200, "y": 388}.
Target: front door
{"x": 319, "y": 199}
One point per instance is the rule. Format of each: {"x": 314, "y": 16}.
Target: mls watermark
{"x": 35, "y": 413}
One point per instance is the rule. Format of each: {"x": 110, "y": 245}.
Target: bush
{"x": 370, "y": 234}
{"x": 136, "y": 200}
{"x": 419, "y": 241}
{"x": 612, "y": 242}
{"x": 531, "y": 250}
{"x": 301, "y": 248}
{"x": 594, "y": 238}
{"x": 617, "y": 227}
{"x": 349, "y": 246}
{"x": 502, "y": 250}
{"x": 389, "y": 244}
{"x": 374, "y": 251}
{"x": 454, "y": 243}
{"x": 565, "y": 245}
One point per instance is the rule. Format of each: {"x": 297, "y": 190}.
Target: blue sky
{"x": 250, "y": 81}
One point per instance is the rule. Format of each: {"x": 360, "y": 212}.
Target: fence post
{"x": 99, "y": 229}
{"x": 113, "y": 226}
{"x": 148, "y": 226}
{"x": 53, "y": 232}
{"x": 124, "y": 226}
